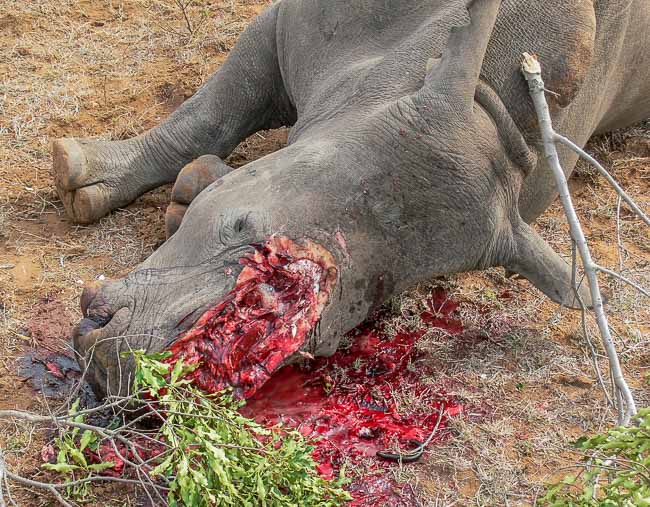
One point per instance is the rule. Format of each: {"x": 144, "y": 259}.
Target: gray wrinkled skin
{"x": 396, "y": 146}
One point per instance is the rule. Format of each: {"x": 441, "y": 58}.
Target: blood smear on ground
{"x": 355, "y": 403}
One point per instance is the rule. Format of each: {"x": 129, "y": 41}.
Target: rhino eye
{"x": 237, "y": 227}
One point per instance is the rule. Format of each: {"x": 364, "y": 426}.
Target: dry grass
{"x": 102, "y": 69}
{"x": 114, "y": 68}
{"x": 85, "y": 68}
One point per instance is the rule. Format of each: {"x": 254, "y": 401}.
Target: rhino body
{"x": 413, "y": 152}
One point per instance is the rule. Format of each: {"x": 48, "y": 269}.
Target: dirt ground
{"x": 111, "y": 69}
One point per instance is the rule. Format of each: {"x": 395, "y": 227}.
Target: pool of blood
{"x": 264, "y": 320}
{"x": 349, "y": 405}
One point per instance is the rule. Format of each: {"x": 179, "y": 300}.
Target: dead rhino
{"x": 413, "y": 152}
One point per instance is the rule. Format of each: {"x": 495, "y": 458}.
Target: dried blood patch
{"x": 265, "y": 319}
{"x": 55, "y": 375}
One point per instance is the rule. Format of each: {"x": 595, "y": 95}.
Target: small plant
{"x": 211, "y": 455}
{"x": 616, "y": 470}
{"x": 71, "y": 458}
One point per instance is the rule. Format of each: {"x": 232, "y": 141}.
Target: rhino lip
{"x": 90, "y": 292}
{"x": 86, "y": 325}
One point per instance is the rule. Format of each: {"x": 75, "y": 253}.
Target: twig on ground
{"x": 531, "y": 69}
{"x": 3, "y": 476}
{"x": 619, "y": 241}
{"x": 418, "y": 451}
{"x": 585, "y": 329}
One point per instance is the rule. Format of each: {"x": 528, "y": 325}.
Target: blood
{"x": 440, "y": 309}
{"x": 349, "y": 404}
{"x": 55, "y": 370}
{"x": 262, "y": 321}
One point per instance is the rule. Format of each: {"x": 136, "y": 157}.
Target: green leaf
{"x": 98, "y": 467}
{"x": 617, "y": 462}
{"x": 78, "y": 456}
{"x": 177, "y": 371}
{"x": 162, "y": 467}
{"x": 86, "y": 438}
{"x": 60, "y": 467}
{"x": 62, "y": 456}
{"x": 261, "y": 490}
{"x": 74, "y": 408}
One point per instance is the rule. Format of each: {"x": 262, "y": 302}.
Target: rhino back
{"x": 342, "y": 60}
{"x": 341, "y": 57}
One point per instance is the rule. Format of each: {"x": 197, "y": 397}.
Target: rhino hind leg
{"x": 191, "y": 181}
{"x": 245, "y": 95}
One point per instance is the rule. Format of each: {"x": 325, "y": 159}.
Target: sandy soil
{"x": 112, "y": 69}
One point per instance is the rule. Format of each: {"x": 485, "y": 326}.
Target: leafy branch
{"x": 615, "y": 470}
{"x": 202, "y": 452}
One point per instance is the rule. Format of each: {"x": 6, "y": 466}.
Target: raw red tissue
{"x": 277, "y": 299}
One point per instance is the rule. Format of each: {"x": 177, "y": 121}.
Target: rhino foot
{"x": 191, "y": 181}
{"x": 94, "y": 178}
{"x": 84, "y": 200}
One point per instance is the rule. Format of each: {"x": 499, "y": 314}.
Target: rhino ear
{"x": 535, "y": 260}
{"x": 455, "y": 76}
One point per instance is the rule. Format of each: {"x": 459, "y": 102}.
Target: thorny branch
{"x": 623, "y": 397}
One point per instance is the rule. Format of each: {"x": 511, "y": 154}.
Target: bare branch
{"x": 585, "y": 329}
{"x": 622, "y": 279}
{"x": 532, "y": 71}
{"x": 3, "y": 482}
{"x": 630, "y": 202}
{"x": 619, "y": 241}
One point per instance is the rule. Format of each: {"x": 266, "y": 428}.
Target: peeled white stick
{"x": 533, "y": 73}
